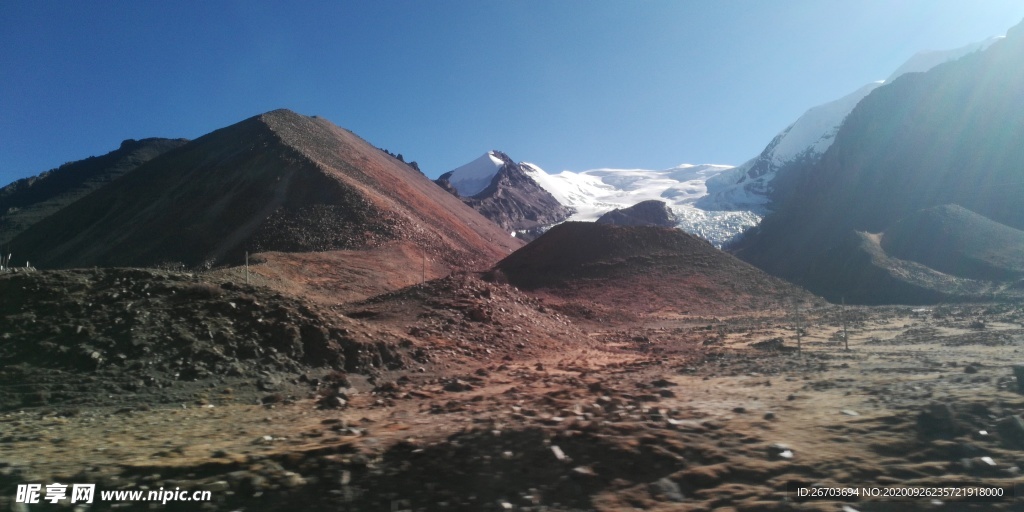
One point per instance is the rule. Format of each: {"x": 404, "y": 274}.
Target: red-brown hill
{"x": 275, "y": 182}
{"x": 641, "y": 269}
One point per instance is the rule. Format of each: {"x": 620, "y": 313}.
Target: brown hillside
{"x": 95, "y": 335}
{"x": 275, "y": 182}
{"x": 29, "y": 200}
{"x": 461, "y": 311}
{"x": 641, "y": 269}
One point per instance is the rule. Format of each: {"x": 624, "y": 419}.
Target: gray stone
{"x": 218, "y": 486}
{"x": 1018, "y": 372}
{"x": 780, "y": 451}
{"x": 667, "y": 490}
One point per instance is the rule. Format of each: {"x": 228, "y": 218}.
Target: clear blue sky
{"x": 568, "y": 85}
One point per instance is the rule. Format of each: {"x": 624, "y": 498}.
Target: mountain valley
{"x": 284, "y": 316}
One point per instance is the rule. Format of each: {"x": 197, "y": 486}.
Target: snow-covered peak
{"x": 747, "y": 186}
{"x": 595, "y": 192}
{"x": 816, "y": 129}
{"x": 473, "y": 178}
{"x": 923, "y": 61}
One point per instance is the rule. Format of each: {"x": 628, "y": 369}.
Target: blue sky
{"x": 568, "y": 85}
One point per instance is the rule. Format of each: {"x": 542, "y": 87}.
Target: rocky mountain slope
{"x": 957, "y": 241}
{"x": 947, "y": 136}
{"x": 141, "y": 335}
{"x": 275, "y": 182}
{"x": 640, "y": 269}
{"x": 504, "y": 192}
{"x": 29, "y": 200}
{"x": 644, "y": 213}
{"x": 940, "y": 254}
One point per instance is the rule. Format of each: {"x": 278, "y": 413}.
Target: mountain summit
{"x": 645, "y": 213}
{"x": 278, "y": 181}
{"x": 505, "y": 192}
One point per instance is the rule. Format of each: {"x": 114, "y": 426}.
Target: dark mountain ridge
{"x": 27, "y": 201}
{"x": 951, "y": 135}
{"x": 957, "y": 241}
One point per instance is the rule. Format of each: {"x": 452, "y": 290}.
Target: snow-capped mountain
{"x": 472, "y": 178}
{"x": 503, "y": 191}
{"x": 595, "y": 192}
{"x": 918, "y": 191}
{"x": 590, "y": 194}
{"x": 716, "y": 202}
{"x": 748, "y": 186}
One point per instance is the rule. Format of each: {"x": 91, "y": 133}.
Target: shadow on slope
{"x": 29, "y": 200}
{"x": 641, "y": 269}
{"x": 957, "y": 241}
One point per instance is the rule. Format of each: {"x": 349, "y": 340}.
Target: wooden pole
{"x": 846, "y": 337}
{"x": 799, "y": 348}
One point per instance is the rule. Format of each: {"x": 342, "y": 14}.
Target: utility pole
{"x": 846, "y": 337}
{"x": 799, "y": 348}
{"x": 247, "y": 268}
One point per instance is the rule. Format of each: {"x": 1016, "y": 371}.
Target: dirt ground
{"x": 662, "y": 413}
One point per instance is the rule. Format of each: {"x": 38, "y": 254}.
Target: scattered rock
{"x": 218, "y": 486}
{"x": 774, "y": 344}
{"x": 667, "y": 490}
{"x": 457, "y": 386}
{"x": 1018, "y": 372}
{"x": 332, "y": 402}
{"x": 706, "y": 476}
{"x": 938, "y": 420}
{"x": 1011, "y": 431}
{"x": 780, "y": 451}
{"x": 559, "y": 454}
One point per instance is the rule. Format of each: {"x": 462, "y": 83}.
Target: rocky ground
{"x": 141, "y": 336}
{"x": 495, "y": 401}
